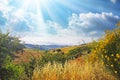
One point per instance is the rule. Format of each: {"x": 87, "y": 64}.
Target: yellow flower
{"x": 115, "y": 72}
{"x": 102, "y": 63}
{"x": 115, "y": 59}
{"x": 112, "y": 55}
{"x": 105, "y": 51}
{"x": 108, "y": 58}
{"x": 106, "y": 41}
{"x": 112, "y": 65}
{"x": 102, "y": 56}
{"x": 117, "y": 55}
{"x": 105, "y": 56}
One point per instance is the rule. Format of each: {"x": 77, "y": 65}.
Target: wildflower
{"x": 112, "y": 55}
{"x": 108, "y": 58}
{"x": 112, "y": 65}
{"x": 117, "y": 55}
{"x": 105, "y": 51}
{"x": 101, "y": 46}
{"x": 115, "y": 72}
{"x": 106, "y": 41}
{"x": 105, "y": 56}
{"x": 102, "y": 56}
{"x": 115, "y": 59}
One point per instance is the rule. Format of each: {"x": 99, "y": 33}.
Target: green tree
{"x": 9, "y": 45}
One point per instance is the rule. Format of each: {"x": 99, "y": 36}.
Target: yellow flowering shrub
{"x": 108, "y": 50}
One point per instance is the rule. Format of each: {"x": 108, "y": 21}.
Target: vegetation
{"x": 108, "y": 50}
{"x": 10, "y": 71}
{"x": 102, "y": 61}
{"x": 72, "y": 71}
{"x": 79, "y": 51}
{"x": 99, "y": 60}
{"x": 9, "y": 45}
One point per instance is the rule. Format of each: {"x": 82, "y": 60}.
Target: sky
{"x": 58, "y": 22}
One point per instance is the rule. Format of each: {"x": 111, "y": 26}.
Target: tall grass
{"x": 72, "y": 71}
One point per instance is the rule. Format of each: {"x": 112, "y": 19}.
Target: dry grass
{"x": 72, "y": 71}
{"x": 25, "y": 57}
{"x": 67, "y": 49}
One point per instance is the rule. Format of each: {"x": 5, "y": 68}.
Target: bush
{"x": 10, "y": 71}
{"x": 48, "y": 57}
{"x": 108, "y": 49}
{"x": 29, "y": 67}
{"x": 77, "y": 52}
{"x": 9, "y": 45}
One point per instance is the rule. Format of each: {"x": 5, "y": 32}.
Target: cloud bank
{"x": 81, "y": 27}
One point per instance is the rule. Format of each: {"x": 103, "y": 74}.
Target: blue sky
{"x": 64, "y": 22}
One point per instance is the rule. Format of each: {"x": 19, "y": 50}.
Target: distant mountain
{"x": 43, "y": 47}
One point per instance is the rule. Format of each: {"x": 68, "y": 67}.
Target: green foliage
{"x": 9, "y": 45}
{"x": 29, "y": 67}
{"x": 77, "y": 52}
{"x": 10, "y": 71}
{"x": 57, "y": 57}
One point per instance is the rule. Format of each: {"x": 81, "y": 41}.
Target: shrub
{"x": 8, "y": 45}
{"x": 108, "y": 49}
{"x": 10, "y": 71}
{"x": 48, "y": 57}
{"x": 79, "y": 51}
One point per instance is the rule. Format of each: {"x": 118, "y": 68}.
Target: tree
{"x": 8, "y": 45}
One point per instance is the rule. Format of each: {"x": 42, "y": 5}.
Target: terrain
{"x": 98, "y": 60}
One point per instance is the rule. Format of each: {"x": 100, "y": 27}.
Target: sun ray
{"x": 35, "y": 6}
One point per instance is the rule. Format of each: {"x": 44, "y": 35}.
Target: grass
{"x": 67, "y": 49}
{"x": 72, "y": 71}
{"x": 25, "y": 57}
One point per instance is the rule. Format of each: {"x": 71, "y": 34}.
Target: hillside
{"x": 26, "y": 55}
{"x": 43, "y": 47}
{"x": 29, "y": 53}
{"x": 98, "y": 60}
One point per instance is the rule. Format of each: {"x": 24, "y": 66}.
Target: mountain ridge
{"x": 44, "y": 47}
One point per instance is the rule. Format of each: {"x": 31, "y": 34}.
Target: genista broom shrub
{"x": 108, "y": 50}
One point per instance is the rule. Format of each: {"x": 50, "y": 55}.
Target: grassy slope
{"x": 25, "y": 57}
{"x": 67, "y": 49}
{"x": 28, "y": 53}
{"x": 77, "y": 69}
{"x": 72, "y": 71}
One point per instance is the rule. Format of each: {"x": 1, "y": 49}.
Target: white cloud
{"x": 81, "y": 27}
{"x": 55, "y": 39}
{"x": 91, "y": 22}
{"x": 113, "y": 1}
